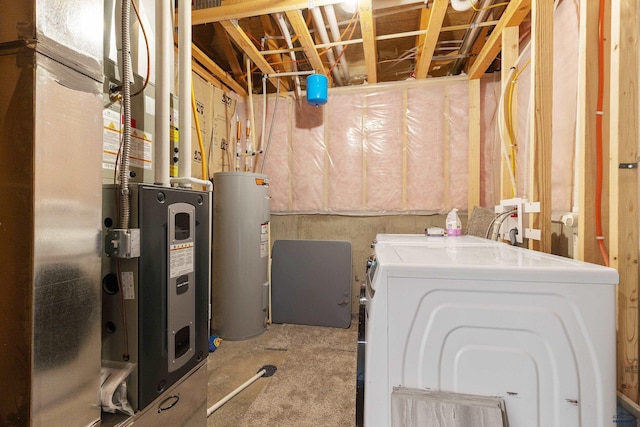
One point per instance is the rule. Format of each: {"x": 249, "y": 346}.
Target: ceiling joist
{"x": 425, "y": 52}
{"x": 300, "y": 28}
{"x": 218, "y": 72}
{"x": 513, "y": 15}
{"x": 243, "y": 41}
{"x": 368, "y": 29}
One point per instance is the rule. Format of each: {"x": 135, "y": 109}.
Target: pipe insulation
{"x": 164, "y": 60}
{"x": 335, "y": 34}
{"x": 125, "y": 208}
{"x": 184, "y": 86}
{"x": 324, "y": 37}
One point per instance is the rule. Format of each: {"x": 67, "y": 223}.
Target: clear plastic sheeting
{"x": 372, "y": 151}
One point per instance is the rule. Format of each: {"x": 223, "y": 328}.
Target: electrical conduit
{"x": 125, "y": 208}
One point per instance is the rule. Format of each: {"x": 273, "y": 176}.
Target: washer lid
{"x": 489, "y": 261}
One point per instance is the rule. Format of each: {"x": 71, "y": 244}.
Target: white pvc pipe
{"x": 184, "y": 86}
{"x": 164, "y": 58}
{"x": 287, "y": 36}
{"x": 290, "y": 73}
{"x": 231, "y": 395}
{"x": 324, "y": 37}
{"x": 335, "y": 33}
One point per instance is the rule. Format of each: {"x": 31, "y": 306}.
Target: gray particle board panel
{"x": 311, "y": 282}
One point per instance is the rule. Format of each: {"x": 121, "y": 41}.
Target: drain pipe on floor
{"x": 265, "y": 371}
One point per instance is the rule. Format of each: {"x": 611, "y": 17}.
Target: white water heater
{"x": 240, "y": 286}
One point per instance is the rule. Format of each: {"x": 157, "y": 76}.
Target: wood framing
{"x": 425, "y": 51}
{"x": 586, "y": 132}
{"x": 218, "y": 72}
{"x": 515, "y": 13}
{"x": 474, "y": 145}
{"x": 300, "y": 28}
{"x": 229, "y": 52}
{"x": 243, "y": 41}
{"x": 246, "y": 9}
{"x": 368, "y": 28}
{"x": 623, "y": 199}
{"x": 510, "y": 52}
{"x": 541, "y": 119}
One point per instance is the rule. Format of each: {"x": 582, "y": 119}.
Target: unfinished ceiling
{"x": 374, "y": 41}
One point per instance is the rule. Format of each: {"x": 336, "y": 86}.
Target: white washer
{"x": 475, "y": 316}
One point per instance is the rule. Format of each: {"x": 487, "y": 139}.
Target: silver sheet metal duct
{"x": 51, "y": 55}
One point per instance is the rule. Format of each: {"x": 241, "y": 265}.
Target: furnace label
{"x": 181, "y": 258}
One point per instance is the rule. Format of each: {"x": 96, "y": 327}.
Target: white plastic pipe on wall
{"x": 324, "y": 37}
{"x": 164, "y": 59}
{"x": 335, "y": 33}
{"x": 184, "y": 85}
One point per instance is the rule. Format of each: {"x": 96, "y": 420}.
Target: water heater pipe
{"x": 324, "y": 37}
{"x": 335, "y": 33}
{"x": 184, "y": 86}
{"x": 164, "y": 59}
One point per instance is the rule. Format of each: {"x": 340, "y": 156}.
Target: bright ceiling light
{"x": 349, "y": 6}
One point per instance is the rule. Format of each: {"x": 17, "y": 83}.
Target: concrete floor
{"x": 314, "y": 384}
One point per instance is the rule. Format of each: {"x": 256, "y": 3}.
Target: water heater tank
{"x": 240, "y": 255}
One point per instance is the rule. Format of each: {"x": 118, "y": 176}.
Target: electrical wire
{"x": 512, "y": 137}
{"x": 146, "y": 43}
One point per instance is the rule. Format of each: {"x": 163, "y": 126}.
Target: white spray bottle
{"x": 453, "y": 225}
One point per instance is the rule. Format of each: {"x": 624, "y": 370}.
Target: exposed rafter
{"x": 243, "y": 41}
{"x": 425, "y": 52}
{"x": 229, "y": 51}
{"x": 246, "y": 9}
{"x": 300, "y": 28}
{"x": 513, "y": 15}
{"x": 214, "y": 69}
{"x": 368, "y": 28}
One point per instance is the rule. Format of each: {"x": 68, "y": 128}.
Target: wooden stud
{"x": 405, "y": 145}
{"x": 368, "y": 29}
{"x": 623, "y": 197}
{"x": 447, "y": 149}
{"x": 364, "y": 152}
{"x": 474, "y": 145}
{"x": 586, "y": 132}
{"x": 510, "y": 52}
{"x": 541, "y": 120}
{"x": 425, "y": 13}
{"x": 425, "y": 52}
{"x": 513, "y": 15}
